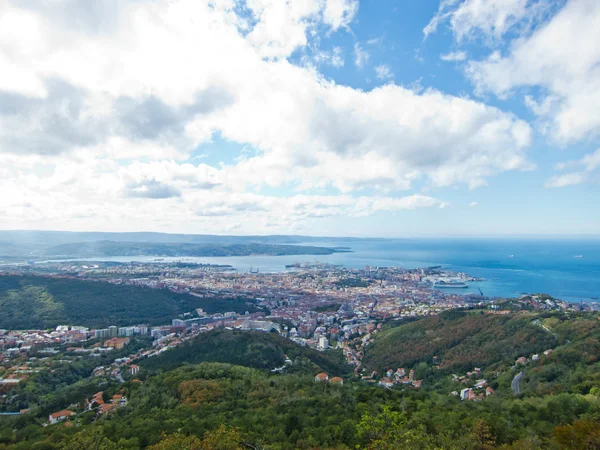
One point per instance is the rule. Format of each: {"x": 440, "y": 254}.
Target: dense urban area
{"x": 336, "y": 311}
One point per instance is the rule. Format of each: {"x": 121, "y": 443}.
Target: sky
{"x": 315, "y": 117}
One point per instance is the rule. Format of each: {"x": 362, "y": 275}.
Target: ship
{"x": 450, "y": 284}
{"x": 578, "y": 256}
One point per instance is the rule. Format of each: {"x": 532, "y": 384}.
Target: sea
{"x": 568, "y": 269}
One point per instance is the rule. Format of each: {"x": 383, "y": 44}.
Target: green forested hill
{"x": 215, "y": 405}
{"x": 460, "y": 340}
{"x": 41, "y": 302}
{"x": 247, "y": 348}
{"x": 220, "y": 406}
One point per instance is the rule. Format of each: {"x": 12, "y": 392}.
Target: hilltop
{"x": 250, "y": 349}
{"x": 460, "y": 340}
{"x": 30, "y": 302}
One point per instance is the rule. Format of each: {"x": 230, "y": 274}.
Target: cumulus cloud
{"x": 101, "y": 117}
{"x": 562, "y": 61}
{"x": 588, "y": 170}
{"x": 472, "y": 204}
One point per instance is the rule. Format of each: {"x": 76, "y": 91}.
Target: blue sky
{"x": 320, "y": 117}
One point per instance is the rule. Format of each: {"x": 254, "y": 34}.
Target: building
{"x": 101, "y": 334}
{"x": 113, "y": 331}
{"x": 60, "y": 416}
{"x": 323, "y": 343}
{"x": 322, "y": 377}
{"x": 116, "y": 343}
{"x": 126, "y": 331}
{"x": 464, "y": 394}
{"x": 133, "y": 369}
{"x": 260, "y": 325}
{"x": 337, "y": 380}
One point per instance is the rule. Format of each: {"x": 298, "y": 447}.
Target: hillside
{"x": 460, "y": 340}
{"x": 40, "y": 302}
{"x": 247, "y": 348}
{"x": 111, "y": 248}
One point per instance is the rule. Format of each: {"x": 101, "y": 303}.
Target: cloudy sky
{"x": 321, "y": 117}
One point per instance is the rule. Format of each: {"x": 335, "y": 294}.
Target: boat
{"x": 578, "y": 256}
{"x": 450, "y": 284}
{"x": 511, "y": 256}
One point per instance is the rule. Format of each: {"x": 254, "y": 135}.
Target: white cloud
{"x": 472, "y": 204}
{"x": 361, "y": 57}
{"x": 98, "y": 119}
{"x": 488, "y": 19}
{"x": 383, "y": 72}
{"x": 337, "y": 58}
{"x": 562, "y": 59}
{"x": 334, "y": 58}
{"x": 588, "y": 171}
{"x": 339, "y": 13}
{"x": 454, "y": 56}
{"x": 282, "y": 26}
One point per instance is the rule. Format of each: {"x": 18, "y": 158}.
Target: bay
{"x": 568, "y": 269}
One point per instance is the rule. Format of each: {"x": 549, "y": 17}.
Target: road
{"x": 516, "y": 383}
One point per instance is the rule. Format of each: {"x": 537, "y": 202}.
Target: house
{"x": 386, "y": 383}
{"x": 96, "y": 401}
{"x": 480, "y": 384}
{"x": 337, "y": 380}
{"x": 106, "y": 408}
{"x": 322, "y": 377}
{"x": 119, "y": 399}
{"x": 521, "y": 360}
{"x": 464, "y": 394}
{"x": 60, "y": 416}
{"x": 548, "y": 352}
{"x": 489, "y": 391}
{"x": 133, "y": 369}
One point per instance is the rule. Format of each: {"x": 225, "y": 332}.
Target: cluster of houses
{"x": 392, "y": 378}
{"x": 479, "y": 391}
{"x": 96, "y": 403}
{"x": 523, "y": 360}
{"x": 324, "y": 378}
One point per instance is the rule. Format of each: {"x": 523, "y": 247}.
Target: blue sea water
{"x": 510, "y": 266}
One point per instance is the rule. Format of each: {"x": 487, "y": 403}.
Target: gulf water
{"x": 568, "y": 269}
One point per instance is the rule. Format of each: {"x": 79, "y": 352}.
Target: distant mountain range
{"x": 35, "y": 244}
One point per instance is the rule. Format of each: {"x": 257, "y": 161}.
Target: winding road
{"x": 516, "y": 383}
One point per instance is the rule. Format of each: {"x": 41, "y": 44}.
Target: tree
{"x": 91, "y": 439}
{"x": 388, "y": 431}
{"x": 178, "y": 441}
{"x": 482, "y": 436}
{"x": 580, "y": 435}
{"x": 223, "y": 438}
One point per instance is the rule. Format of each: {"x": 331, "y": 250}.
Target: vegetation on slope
{"x": 30, "y": 302}
{"x": 247, "y": 407}
{"x": 248, "y": 348}
{"x": 460, "y": 340}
